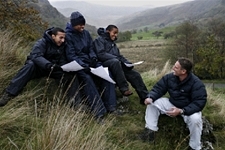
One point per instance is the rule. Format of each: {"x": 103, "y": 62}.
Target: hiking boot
{"x": 6, "y": 97}
{"x": 116, "y": 112}
{"x": 127, "y": 93}
{"x": 148, "y": 135}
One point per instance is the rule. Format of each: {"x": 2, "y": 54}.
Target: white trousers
{"x": 194, "y": 121}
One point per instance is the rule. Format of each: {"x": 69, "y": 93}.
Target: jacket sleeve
{"x": 71, "y": 52}
{"x": 92, "y": 53}
{"x": 159, "y": 89}
{"x": 100, "y": 50}
{"x": 38, "y": 52}
{"x": 198, "y": 97}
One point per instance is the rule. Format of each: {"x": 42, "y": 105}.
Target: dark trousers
{"x": 122, "y": 74}
{"x": 100, "y": 93}
{"x": 31, "y": 71}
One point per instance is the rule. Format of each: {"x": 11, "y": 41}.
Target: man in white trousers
{"x": 187, "y": 97}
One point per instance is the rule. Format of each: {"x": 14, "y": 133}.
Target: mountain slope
{"x": 170, "y": 15}
{"x": 97, "y": 15}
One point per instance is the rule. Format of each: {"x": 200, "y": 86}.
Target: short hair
{"x": 56, "y": 30}
{"x": 186, "y": 64}
{"x": 110, "y": 27}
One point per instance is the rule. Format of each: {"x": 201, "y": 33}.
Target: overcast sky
{"x": 131, "y": 3}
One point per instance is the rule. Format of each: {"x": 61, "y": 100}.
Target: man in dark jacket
{"x": 80, "y": 49}
{"x": 109, "y": 54}
{"x": 187, "y": 98}
{"x": 45, "y": 59}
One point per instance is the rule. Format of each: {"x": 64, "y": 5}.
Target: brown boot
{"x": 127, "y": 93}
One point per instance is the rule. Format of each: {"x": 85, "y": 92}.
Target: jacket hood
{"x": 102, "y": 32}
{"x": 47, "y": 35}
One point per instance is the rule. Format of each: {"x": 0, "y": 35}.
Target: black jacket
{"x": 190, "y": 94}
{"x": 106, "y": 49}
{"x": 80, "y": 46}
{"x": 46, "y": 51}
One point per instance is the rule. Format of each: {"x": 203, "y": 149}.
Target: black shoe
{"x": 116, "y": 112}
{"x": 6, "y": 97}
{"x": 148, "y": 136}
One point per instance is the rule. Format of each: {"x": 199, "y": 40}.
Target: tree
{"x": 19, "y": 17}
{"x": 145, "y": 29}
{"x": 186, "y": 39}
{"x": 157, "y": 34}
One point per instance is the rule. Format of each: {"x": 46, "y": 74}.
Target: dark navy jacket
{"x": 46, "y": 51}
{"x": 106, "y": 49}
{"x": 80, "y": 46}
{"x": 190, "y": 94}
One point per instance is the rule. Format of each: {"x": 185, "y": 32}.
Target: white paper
{"x": 72, "y": 66}
{"x": 102, "y": 73}
{"x": 133, "y": 64}
{"x": 163, "y": 111}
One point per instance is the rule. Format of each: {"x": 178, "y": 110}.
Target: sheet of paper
{"x": 102, "y": 73}
{"x": 163, "y": 111}
{"x": 133, "y": 64}
{"x": 72, "y": 66}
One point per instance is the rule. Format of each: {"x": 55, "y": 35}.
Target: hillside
{"x": 174, "y": 14}
{"x": 51, "y": 15}
{"x": 97, "y": 15}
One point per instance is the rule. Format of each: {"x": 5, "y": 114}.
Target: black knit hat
{"x": 76, "y": 18}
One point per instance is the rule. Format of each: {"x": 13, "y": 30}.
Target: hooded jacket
{"x": 46, "y": 51}
{"x": 80, "y": 46}
{"x": 189, "y": 94}
{"x": 107, "y": 49}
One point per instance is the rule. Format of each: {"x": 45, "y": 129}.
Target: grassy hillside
{"x": 38, "y": 119}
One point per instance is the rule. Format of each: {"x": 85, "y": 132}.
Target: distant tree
{"x": 145, "y": 29}
{"x": 157, "y": 34}
{"x": 140, "y": 30}
{"x": 134, "y": 31}
{"x": 140, "y": 37}
{"x": 124, "y": 36}
{"x": 169, "y": 35}
{"x": 17, "y": 16}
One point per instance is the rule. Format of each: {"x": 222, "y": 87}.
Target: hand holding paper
{"x": 72, "y": 66}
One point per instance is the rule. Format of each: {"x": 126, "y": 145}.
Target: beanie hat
{"x": 76, "y": 18}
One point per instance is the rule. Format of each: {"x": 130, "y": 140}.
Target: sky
{"x": 155, "y": 3}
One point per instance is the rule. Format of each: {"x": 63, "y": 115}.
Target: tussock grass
{"x": 38, "y": 118}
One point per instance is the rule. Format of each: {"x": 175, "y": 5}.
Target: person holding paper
{"x": 187, "y": 97}
{"x": 80, "y": 49}
{"x": 109, "y": 54}
{"x": 45, "y": 60}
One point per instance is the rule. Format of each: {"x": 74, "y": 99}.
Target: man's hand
{"x": 174, "y": 111}
{"x": 148, "y": 101}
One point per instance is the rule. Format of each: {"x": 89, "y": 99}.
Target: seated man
{"x": 80, "y": 49}
{"x": 109, "y": 54}
{"x": 45, "y": 59}
{"x": 187, "y": 98}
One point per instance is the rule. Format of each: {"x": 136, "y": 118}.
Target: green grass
{"x": 38, "y": 119}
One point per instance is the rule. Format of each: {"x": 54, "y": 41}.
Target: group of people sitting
{"x": 58, "y": 47}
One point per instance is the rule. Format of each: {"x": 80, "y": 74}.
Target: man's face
{"x": 178, "y": 70}
{"x": 113, "y": 33}
{"x": 79, "y": 28}
{"x": 59, "y": 38}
